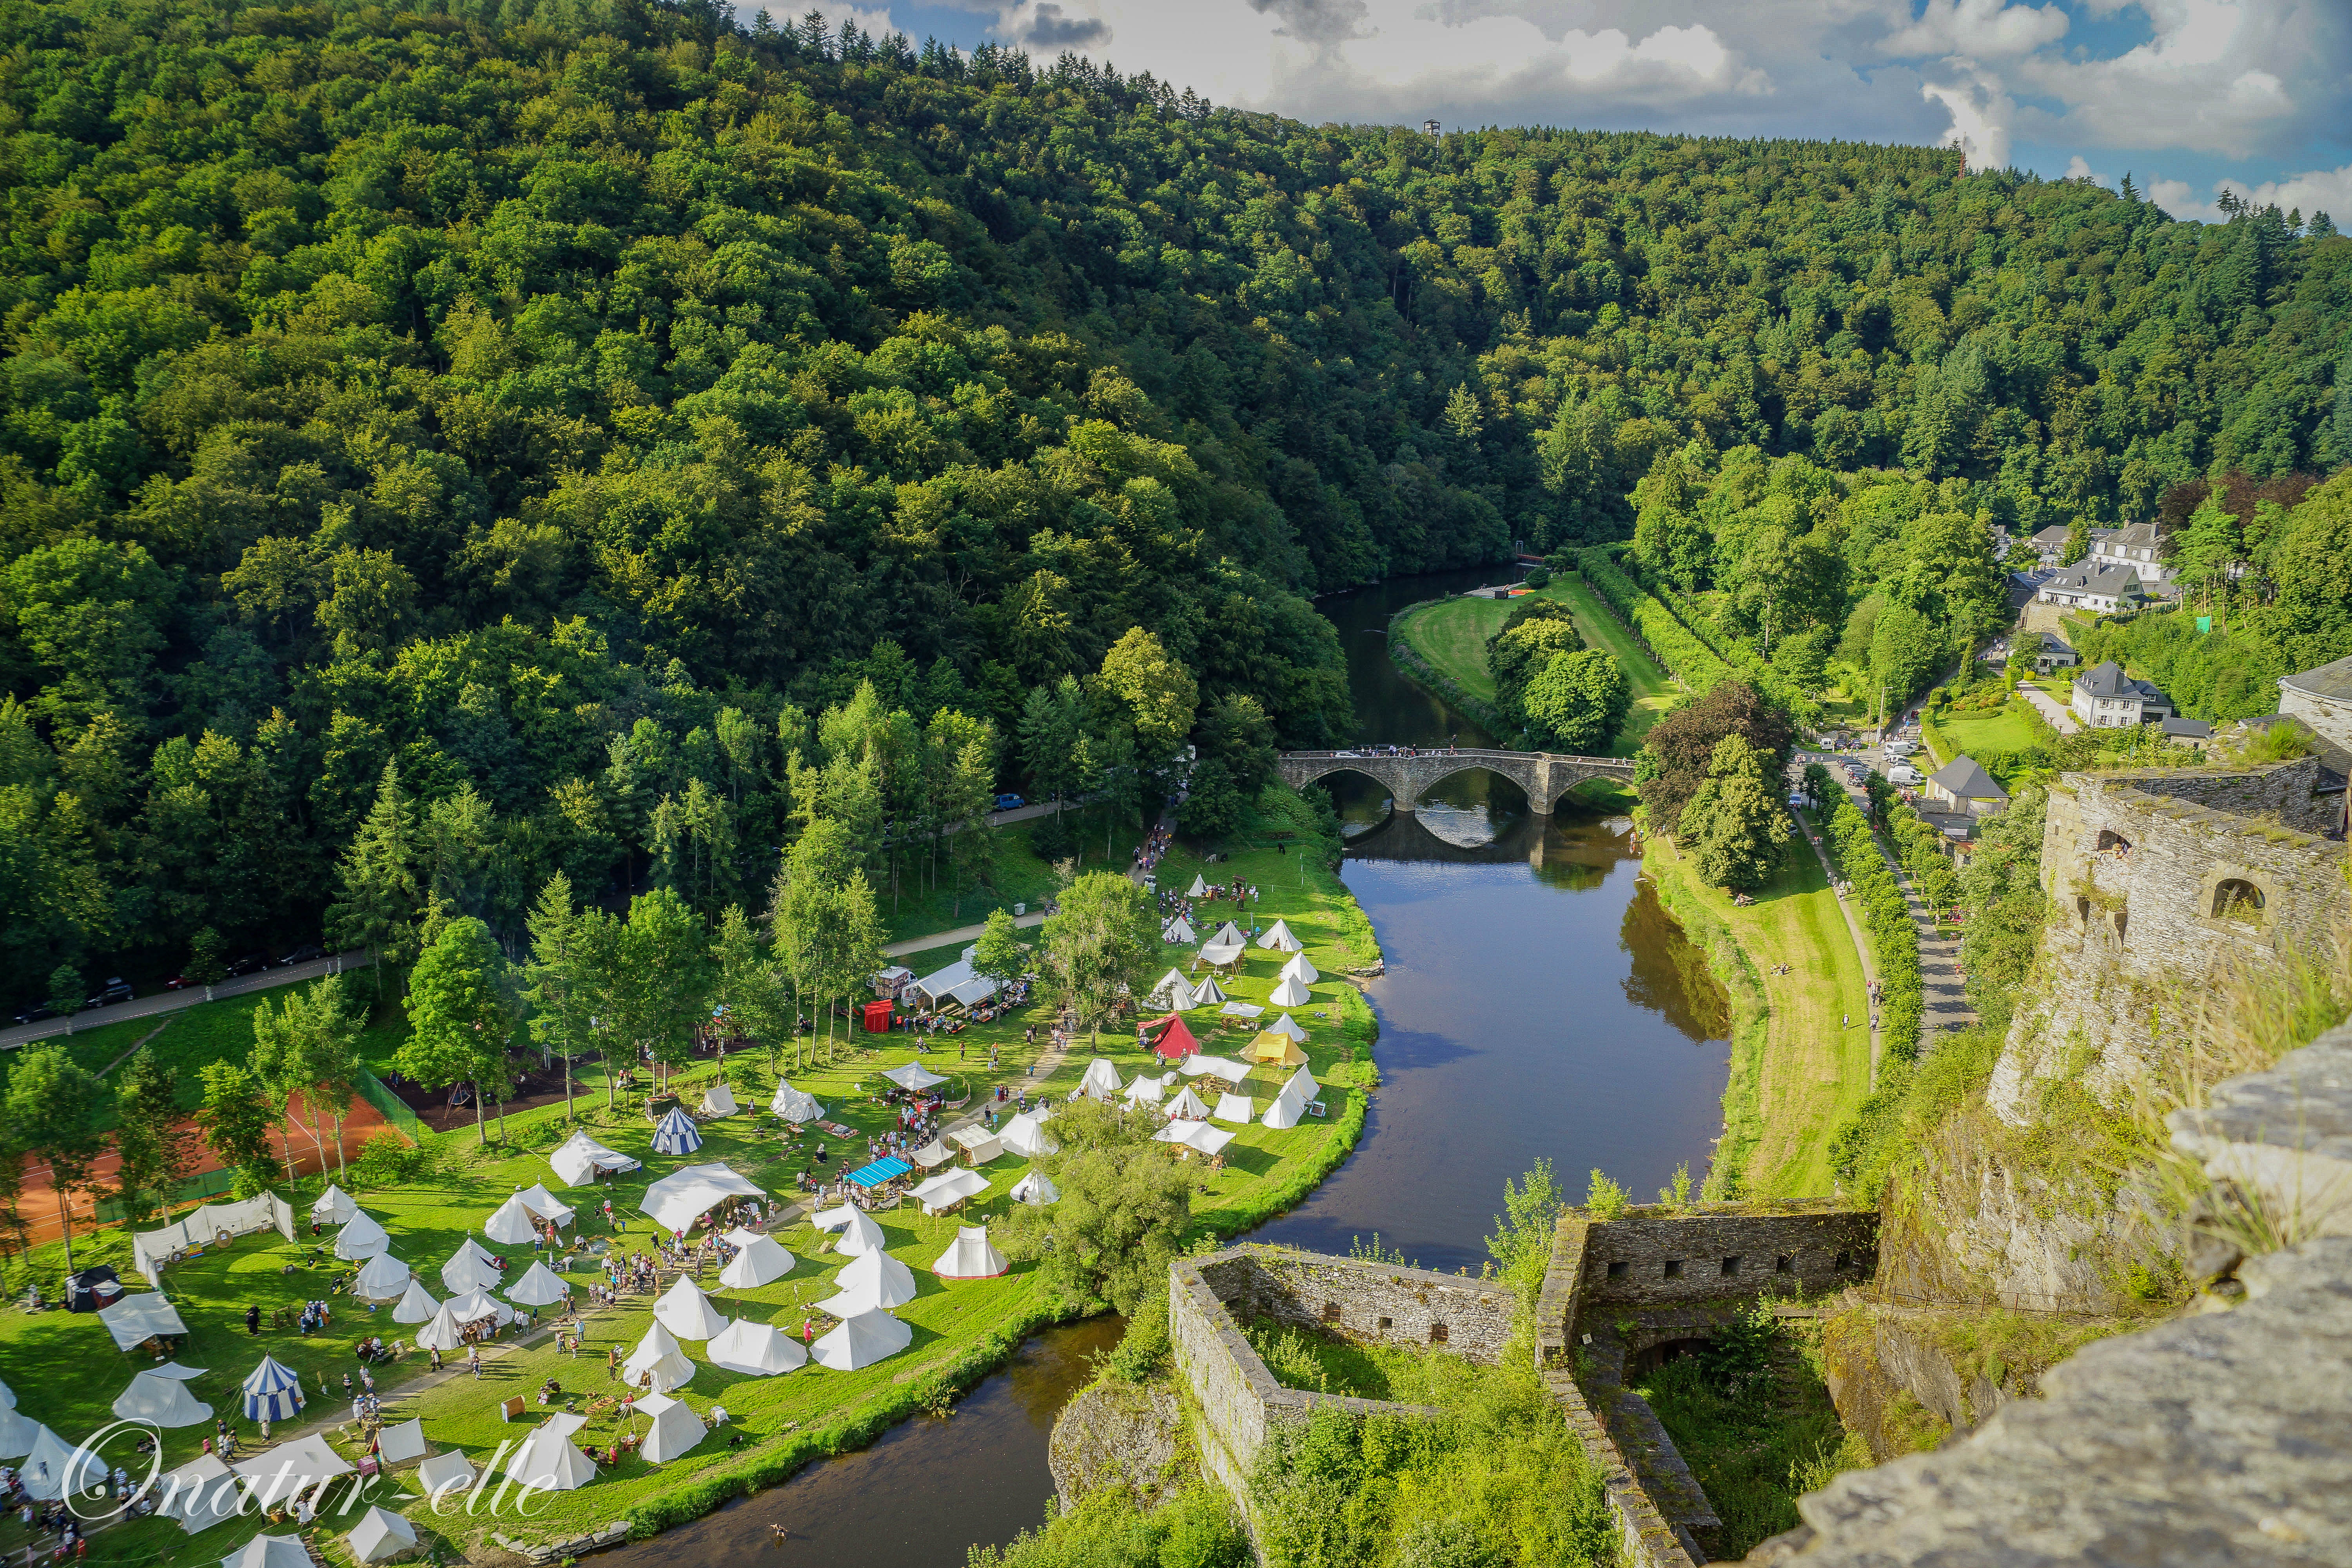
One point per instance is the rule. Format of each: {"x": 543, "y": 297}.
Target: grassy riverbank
{"x": 66, "y": 1372}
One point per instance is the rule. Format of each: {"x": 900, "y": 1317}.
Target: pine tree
{"x": 150, "y": 1141}
{"x": 380, "y": 899}
{"x": 460, "y": 1018}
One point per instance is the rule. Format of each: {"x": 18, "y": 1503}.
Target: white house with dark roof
{"x": 1966, "y": 787}
{"x": 2135, "y": 547}
{"x": 2107, "y": 698}
{"x": 2050, "y": 652}
{"x": 2100, "y": 588}
{"x": 2050, "y": 544}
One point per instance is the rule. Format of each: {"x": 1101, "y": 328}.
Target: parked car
{"x": 1009, "y": 802}
{"x": 178, "y": 982}
{"x": 117, "y": 990}
{"x": 251, "y": 963}
{"x": 310, "y": 951}
{"x": 1904, "y": 773}
{"x": 34, "y": 1015}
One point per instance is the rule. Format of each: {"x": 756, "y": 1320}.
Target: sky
{"x": 2188, "y": 98}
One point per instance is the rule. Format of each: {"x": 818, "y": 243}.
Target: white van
{"x": 1904, "y": 773}
{"x": 1902, "y": 748}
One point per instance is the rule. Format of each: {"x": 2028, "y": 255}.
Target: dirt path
{"x": 1853, "y": 930}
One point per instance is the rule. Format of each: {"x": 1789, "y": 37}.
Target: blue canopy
{"x": 274, "y": 1392}
{"x": 676, "y": 1133}
{"x": 879, "y": 1171}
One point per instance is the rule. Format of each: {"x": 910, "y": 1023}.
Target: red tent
{"x": 1176, "y": 1041}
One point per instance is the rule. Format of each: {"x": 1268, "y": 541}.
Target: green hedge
{"x": 1690, "y": 660}
{"x": 1894, "y": 939}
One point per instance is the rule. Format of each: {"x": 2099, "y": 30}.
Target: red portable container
{"x": 878, "y": 1017}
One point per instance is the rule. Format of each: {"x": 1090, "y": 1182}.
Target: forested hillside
{"x": 569, "y": 404}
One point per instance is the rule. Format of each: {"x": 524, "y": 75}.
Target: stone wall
{"x": 1655, "y": 1257}
{"x": 1377, "y": 1304}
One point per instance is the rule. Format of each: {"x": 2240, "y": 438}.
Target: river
{"x": 1538, "y": 1003}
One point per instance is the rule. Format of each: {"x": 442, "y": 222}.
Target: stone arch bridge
{"x": 1408, "y": 773}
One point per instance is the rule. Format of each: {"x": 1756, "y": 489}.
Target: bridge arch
{"x": 1544, "y": 777}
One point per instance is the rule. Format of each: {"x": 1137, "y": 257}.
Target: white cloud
{"x": 1980, "y": 114}
{"x": 1980, "y": 28}
{"x": 2079, "y": 168}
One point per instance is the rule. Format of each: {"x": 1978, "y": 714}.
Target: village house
{"x": 2107, "y": 698}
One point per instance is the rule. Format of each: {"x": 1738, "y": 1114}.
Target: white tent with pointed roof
{"x": 1291, "y": 993}
{"x": 379, "y": 1536}
{"x": 199, "y": 1494}
{"x": 1037, "y": 1189}
{"x": 1286, "y": 1025}
{"x": 762, "y": 1260}
{"x": 687, "y": 1312}
{"x": 545, "y": 1205}
{"x": 296, "y": 1466}
{"x": 398, "y": 1444}
{"x": 862, "y": 1341}
{"x": 1187, "y": 1105}
{"x": 469, "y": 1269}
{"x": 577, "y": 1162}
{"x": 878, "y": 1278}
{"x": 509, "y": 1223}
{"x": 1177, "y": 929}
{"x": 1171, "y": 992}
{"x": 443, "y": 1332}
{"x": 1284, "y": 1112}
{"x": 384, "y": 1278}
{"x": 793, "y": 1105}
{"x": 1276, "y": 938}
{"x": 860, "y": 1235}
{"x": 676, "y": 1428}
{"x": 1227, "y": 935}
{"x": 1147, "y": 1089}
{"x": 1301, "y": 969}
{"x": 8, "y": 1397}
{"x": 549, "y": 1461}
{"x": 1025, "y": 1135}
{"x": 269, "y": 1552}
{"x": 334, "y": 1206}
{"x": 538, "y": 1287}
{"x": 161, "y": 1401}
{"x": 718, "y": 1100}
{"x": 1303, "y": 1084}
{"x": 659, "y": 1355}
{"x": 452, "y": 1471}
{"x": 1235, "y": 1108}
{"x": 139, "y": 1316}
{"x": 56, "y": 1466}
{"x": 361, "y": 1238}
{"x": 755, "y": 1349}
{"x": 934, "y": 1152}
{"x": 481, "y": 1304}
{"x": 1199, "y": 887}
{"x": 17, "y": 1433}
{"x": 970, "y": 1256}
{"x": 1208, "y": 992}
{"x": 1101, "y": 1079}
{"x": 417, "y": 1306}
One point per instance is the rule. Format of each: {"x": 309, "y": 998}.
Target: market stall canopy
{"x": 480, "y": 1304}
{"x": 577, "y": 1162}
{"x": 538, "y": 1287}
{"x": 676, "y": 1428}
{"x": 689, "y": 1193}
{"x": 549, "y": 1461}
{"x": 384, "y": 1278}
{"x": 1037, "y": 1189}
{"x": 958, "y": 981}
{"x": 1174, "y": 1041}
{"x": 761, "y": 1261}
{"x": 756, "y": 1350}
{"x": 161, "y": 1401}
{"x": 445, "y": 1332}
{"x": 380, "y": 1534}
{"x": 1286, "y": 1025}
{"x": 398, "y": 1444}
{"x": 1276, "y": 938}
{"x": 1278, "y": 1050}
{"x": 687, "y": 1312}
{"x": 1224, "y": 1067}
{"x": 1237, "y": 1108}
{"x": 948, "y": 1187}
{"x": 1187, "y": 1106}
{"x": 913, "y": 1075}
{"x": 269, "y": 1552}
{"x": 932, "y": 1153}
{"x": 877, "y": 1277}
{"x": 718, "y": 1100}
{"x": 334, "y": 1206}
{"x": 1208, "y": 992}
{"x": 659, "y": 1355}
{"x": 469, "y": 1269}
{"x": 199, "y": 1494}
{"x": 509, "y": 1223}
{"x": 880, "y": 1172}
{"x": 795, "y": 1106}
{"x": 1145, "y": 1090}
{"x": 1240, "y": 1010}
{"x": 1218, "y": 953}
{"x": 1291, "y": 993}
{"x": 676, "y": 1133}
{"x": 972, "y": 1257}
{"x": 545, "y": 1205}
{"x": 1300, "y": 969}
{"x": 1025, "y": 1135}
{"x": 977, "y": 1141}
{"x": 859, "y": 1236}
{"x": 862, "y": 1341}
{"x": 1198, "y": 1135}
{"x": 135, "y": 1320}
{"x": 361, "y": 1238}
{"x": 296, "y": 1466}
{"x": 1286, "y": 1110}
{"x": 451, "y": 1471}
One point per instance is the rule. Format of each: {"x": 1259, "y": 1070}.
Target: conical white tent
{"x": 718, "y": 1100}
{"x": 762, "y": 1260}
{"x": 1037, "y": 1189}
{"x": 274, "y": 1393}
{"x": 1227, "y": 935}
{"x": 576, "y": 1164}
{"x": 469, "y": 1269}
{"x": 676, "y": 1428}
{"x": 1208, "y": 992}
{"x": 384, "y": 1278}
{"x": 1284, "y": 1112}
{"x": 1291, "y": 993}
{"x": 509, "y": 1223}
{"x": 859, "y": 1236}
{"x": 887, "y": 1282}
{"x": 676, "y": 1133}
{"x": 443, "y": 1334}
{"x": 380, "y": 1533}
{"x": 1286, "y": 1025}
{"x": 862, "y": 1341}
{"x": 542, "y": 1203}
{"x": 1199, "y": 887}
{"x": 1101, "y": 1079}
{"x": 161, "y": 1401}
{"x": 199, "y": 1494}
{"x": 8, "y": 1397}
{"x": 1147, "y": 1089}
{"x": 1179, "y": 930}
{"x": 1276, "y": 938}
{"x": 658, "y": 1353}
{"x": 56, "y": 1466}
{"x": 793, "y": 1105}
{"x": 913, "y": 1075}
{"x": 1300, "y": 969}
{"x": 538, "y": 1287}
{"x": 361, "y": 1239}
{"x": 687, "y": 1312}
{"x": 480, "y": 1304}
{"x": 1171, "y": 992}
{"x": 756, "y": 1350}
{"x": 269, "y": 1552}
{"x": 334, "y": 1206}
{"x": 1025, "y": 1136}
{"x": 17, "y": 1431}
{"x": 549, "y": 1461}
{"x": 1302, "y": 1083}
{"x": 971, "y": 1257}
{"x": 932, "y": 1153}
{"x": 1238, "y": 1108}
{"x": 1188, "y": 1105}
{"x": 417, "y": 1306}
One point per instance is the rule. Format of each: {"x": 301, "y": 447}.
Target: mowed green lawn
{"x": 2006, "y": 729}
{"x": 66, "y": 1370}
{"x": 1451, "y": 634}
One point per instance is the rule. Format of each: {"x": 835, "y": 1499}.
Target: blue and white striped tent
{"x": 676, "y": 1133}
{"x": 274, "y": 1392}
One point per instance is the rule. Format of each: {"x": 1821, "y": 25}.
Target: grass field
{"x": 66, "y": 1370}
{"x": 2005, "y": 729}
{"x": 1451, "y": 634}
{"x": 1810, "y": 1072}
{"x": 1655, "y": 692}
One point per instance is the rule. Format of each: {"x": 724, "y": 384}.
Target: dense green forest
{"x": 576, "y": 406}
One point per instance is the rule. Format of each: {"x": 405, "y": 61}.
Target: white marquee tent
{"x": 334, "y": 1206}
{"x": 1178, "y": 929}
{"x": 1037, "y": 1189}
{"x": 161, "y": 1401}
{"x": 380, "y": 1534}
{"x": 862, "y": 1341}
{"x": 947, "y": 1188}
{"x": 17, "y": 1433}
{"x": 859, "y": 1236}
{"x": 759, "y": 1262}
{"x": 755, "y": 1349}
{"x": 1302, "y": 1083}
{"x": 538, "y": 1287}
{"x": 417, "y": 1306}
{"x": 1226, "y": 1067}
{"x": 674, "y": 1428}
{"x": 979, "y": 1144}
{"x": 509, "y": 1223}
{"x": 689, "y": 1193}
{"x": 970, "y": 1256}
{"x": 545, "y": 1205}
{"x": 361, "y": 1238}
{"x": 1291, "y": 993}
{"x": 384, "y": 1278}
{"x": 204, "y": 1225}
{"x": 687, "y": 1312}
{"x": 875, "y": 1279}
{"x": 1199, "y": 887}
{"x": 1300, "y": 969}
{"x": 658, "y": 1353}
{"x": 932, "y": 1153}
{"x": 1238, "y": 1108}
{"x": 1228, "y": 934}
{"x": 580, "y": 1160}
{"x": 1276, "y": 938}
{"x": 470, "y": 1267}
{"x": 913, "y": 1075}
{"x": 1197, "y": 1135}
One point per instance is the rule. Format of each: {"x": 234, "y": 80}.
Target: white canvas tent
{"x": 384, "y": 1278}
{"x": 1178, "y": 930}
{"x": 718, "y": 1100}
{"x": 1302, "y": 969}
{"x": 1037, "y": 1189}
{"x": 877, "y": 1278}
{"x": 687, "y": 1312}
{"x": 161, "y": 1401}
{"x": 398, "y": 1444}
{"x": 469, "y": 1269}
{"x": 480, "y": 1304}
{"x": 17, "y": 1433}
{"x": 676, "y": 1133}
{"x": 689, "y": 1193}
{"x": 8, "y": 1397}
{"x": 658, "y": 1353}
{"x": 361, "y": 1238}
{"x": 201, "y": 1226}
{"x": 859, "y": 1236}
{"x": 1217, "y": 955}
{"x": 545, "y": 1205}
{"x": 913, "y": 1075}
{"x": 1284, "y": 1112}
{"x": 676, "y": 1428}
{"x": 979, "y": 1144}
{"x": 1101, "y": 1079}
{"x": 135, "y": 1320}
{"x": 1197, "y": 1135}
{"x": 1276, "y": 938}
{"x": 1228, "y": 933}
{"x": 759, "y": 1262}
{"x": 1208, "y": 992}
{"x": 1240, "y": 1010}
{"x": 538, "y": 1287}
{"x": 971, "y": 1257}
{"x": 509, "y": 1223}
{"x": 581, "y": 1157}
{"x": 1199, "y": 887}
{"x": 417, "y": 1306}
{"x": 1171, "y": 992}
{"x": 862, "y": 1341}
{"x": 932, "y": 1153}
{"x": 756, "y": 1350}
{"x": 379, "y": 1536}
{"x": 451, "y": 1470}
{"x": 199, "y": 1494}
{"x": 1025, "y": 1135}
{"x": 1286, "y": 1025}
{"x": 1187, "y": 1105}
{"x": 334, "y": 1206}
{"x": 1147, "y": 1089}
{"x": 949, "y": 1188}
{"x": 1302, "y": 1083}
{"x": 1291, "y": 993}
{"x": 296, "y": 1466}
{"x": 1224, "y": 1067}
{"x": 795, "y": 1106}
{"x": 958, "y": 981}
{"x": 269, "y": 1552}
{"x": 56, "y": 1466}
{"x": 549, "y": 1461}
{"x": 443, "y": 1334}
{"x": 1238, "y": 1108}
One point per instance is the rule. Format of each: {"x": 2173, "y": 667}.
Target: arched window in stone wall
{"x": 2235, "y": 899}
{"x": 2113, "y": 843}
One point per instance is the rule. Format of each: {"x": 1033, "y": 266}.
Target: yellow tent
{"x": 1280, "y": 1049}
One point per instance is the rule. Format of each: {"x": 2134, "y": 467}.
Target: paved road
{"x": 172, "y": 1001}
{"x": 2050, "y": 707}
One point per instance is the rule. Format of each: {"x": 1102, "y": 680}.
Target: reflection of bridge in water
{"x": 1407, "y": 776}
{"x": 1404, "y": 837}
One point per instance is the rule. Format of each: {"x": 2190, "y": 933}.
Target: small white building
{"x": 2100, "y": 587}
{"x": 2049, "y": 546}
{"x": 2050, "y": 652}
{"x": 2135, "y": 547}
{"x": 2107, "y": 698}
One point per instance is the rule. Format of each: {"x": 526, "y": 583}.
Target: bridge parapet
{"x": 1408, "y": 772}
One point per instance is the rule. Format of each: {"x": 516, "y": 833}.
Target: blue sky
{"x": 2189, "y": 97}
